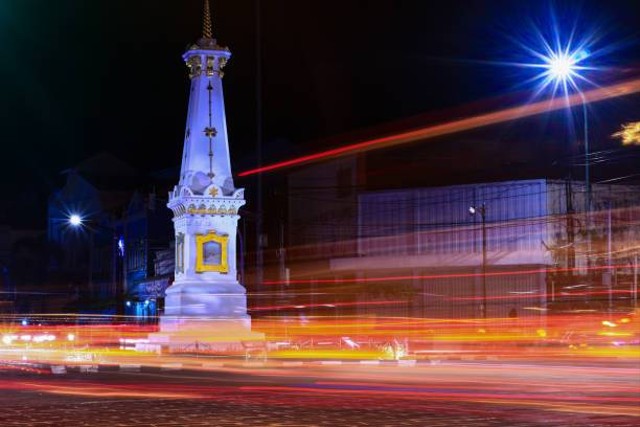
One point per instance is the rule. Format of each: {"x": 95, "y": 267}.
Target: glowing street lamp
{"x": 561, "y": 66}
{"x": 563, "y": 69}
{"x": 75, "y": 220}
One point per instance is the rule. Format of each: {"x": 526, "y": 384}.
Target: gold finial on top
{"x": 207, "y": 26}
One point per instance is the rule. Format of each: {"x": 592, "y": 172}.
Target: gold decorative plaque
{"x": 212, "y": 253}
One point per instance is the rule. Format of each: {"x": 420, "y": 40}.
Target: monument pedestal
{"x": 187, "y": 334}
{"x": 216, "y": 299}
{"x": 204, "y": 317}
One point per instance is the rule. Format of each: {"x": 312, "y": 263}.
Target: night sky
{"x": 80, "y": 77}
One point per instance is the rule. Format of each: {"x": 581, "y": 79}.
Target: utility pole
{"x": 482, "y": 210}
{"x": 484, "y": 262}
{"x": 635, "y": 282}
{"x": 259, "y": 276}
{"x": 282, "y": 266}
{"x": 587, "y": 179}
{"x": 571, "y": 253}
{"x": 610, "y": 260}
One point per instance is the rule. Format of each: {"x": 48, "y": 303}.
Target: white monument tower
{"x": 206, "y": 303}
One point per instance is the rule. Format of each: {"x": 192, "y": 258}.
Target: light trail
{"x": 542, "y": 391}
{"x": 513, "y": 113}
{"x": 439, "y": 276}
{"x": 546, "y": 295}
{"x": 329, "y": 305}
{"x": 429, "y": 393}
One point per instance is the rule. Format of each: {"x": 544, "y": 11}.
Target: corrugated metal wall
{"x": 437, "y": 220}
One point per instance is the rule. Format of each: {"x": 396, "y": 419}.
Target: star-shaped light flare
{"x": 563, "y": 61}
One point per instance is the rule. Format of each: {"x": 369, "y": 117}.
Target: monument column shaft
{"x": 206, "y": 110}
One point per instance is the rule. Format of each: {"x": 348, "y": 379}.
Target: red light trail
{"x": 508, "y": 114}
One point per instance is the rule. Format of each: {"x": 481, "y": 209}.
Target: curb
{"x": 180, "y": 367}
{"x": 62, "y": 369}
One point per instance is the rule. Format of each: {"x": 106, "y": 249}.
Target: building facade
{"x": 148, "y": 262}
{"x": 99, "y": 266}
{"x": 419, "y": 252}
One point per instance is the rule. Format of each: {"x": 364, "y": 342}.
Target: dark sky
{"x": 80, "y": 77}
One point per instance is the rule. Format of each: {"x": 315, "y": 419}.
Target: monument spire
{"x": 207, "y": 26}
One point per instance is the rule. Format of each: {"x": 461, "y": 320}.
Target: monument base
{"x": 206, "y": 317}
{"x": 190, "y": 334}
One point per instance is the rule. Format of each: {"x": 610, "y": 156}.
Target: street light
{"x": 76, "y": 220}
{"x": 482, "y": 210}
{"x": 563, "y": 68}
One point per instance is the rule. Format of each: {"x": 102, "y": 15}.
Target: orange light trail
{"x": 333, "y": 304}
{"x": 595, "y": 95}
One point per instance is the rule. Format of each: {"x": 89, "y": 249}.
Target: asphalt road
{"x": 448, "y": 394}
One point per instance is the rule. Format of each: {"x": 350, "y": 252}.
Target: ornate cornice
{"x": 206, "y": 205}
{"x": 208, "y": 63}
